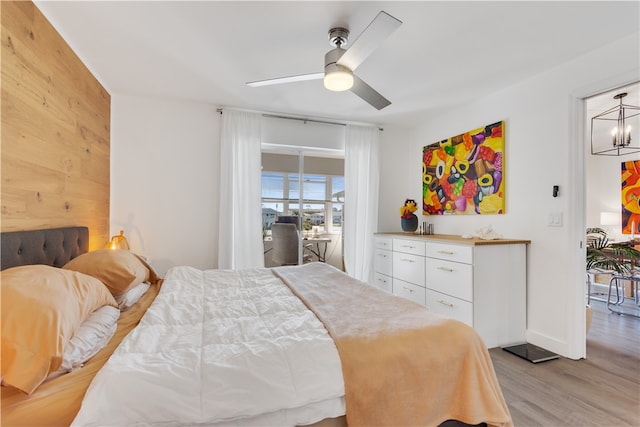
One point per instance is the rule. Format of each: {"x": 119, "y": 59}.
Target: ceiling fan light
{"x": 338, "y": 80}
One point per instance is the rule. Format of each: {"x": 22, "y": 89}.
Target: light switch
{"x": 555, "y": 219}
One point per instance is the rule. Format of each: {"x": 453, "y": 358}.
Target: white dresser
{"x": 479, "y": 282}
{"x": 382, "y": 276}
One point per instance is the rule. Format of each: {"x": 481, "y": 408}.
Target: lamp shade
{"x": 118, "y": 242}
{"x": 610, "y": 218}
{"x": 338, "y": 78}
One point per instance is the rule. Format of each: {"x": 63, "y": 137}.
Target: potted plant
{"x": 607, "y": 257}
{"x": 603, "y": 255}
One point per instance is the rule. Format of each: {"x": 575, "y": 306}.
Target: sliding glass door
{"x": 309, "y": 188}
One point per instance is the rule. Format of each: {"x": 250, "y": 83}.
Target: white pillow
{"x": 132, "y": 296}
{"x": 89, "y": 339}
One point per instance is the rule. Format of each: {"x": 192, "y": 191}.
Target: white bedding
{"x": 220, "y": 347}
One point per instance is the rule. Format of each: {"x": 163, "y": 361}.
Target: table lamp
{"x": 610, "y": 222}
{"x": 118, "y": 242}
{"x": 609, "y": 218}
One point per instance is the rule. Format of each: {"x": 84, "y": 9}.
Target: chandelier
{"x": 611, "y": 130}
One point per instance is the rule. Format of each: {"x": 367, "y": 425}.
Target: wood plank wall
{"x": 55, "y": 130}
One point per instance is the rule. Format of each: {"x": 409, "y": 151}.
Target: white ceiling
{"x": 445, "y": 53}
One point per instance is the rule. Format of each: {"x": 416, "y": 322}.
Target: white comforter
{"x": 219, "y": 348}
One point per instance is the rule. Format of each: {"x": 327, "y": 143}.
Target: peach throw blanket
{"x": 402, "y": 365}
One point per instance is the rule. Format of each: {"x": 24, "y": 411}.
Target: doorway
{"x": 602, "y": 175}
{"x": 305, "y": 187}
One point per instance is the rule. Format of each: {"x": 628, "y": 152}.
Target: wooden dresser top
{"x": 452, "y": 238}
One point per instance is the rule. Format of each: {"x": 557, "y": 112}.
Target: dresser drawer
{"x": 384, "y": 243}
{"x": 458, "y": 253}
{"x": 449, "y": 306}
{"x": 409, "y": 291}
{"x": 409, "y": 268}
{"x": 383, "y": 261}
{"x": 451, "y": 278}
{"x": 408, "y": 246}
{"x": 383, "y": 282}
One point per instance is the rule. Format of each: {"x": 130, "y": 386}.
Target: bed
{"x": 56, "y": 401}
{"x": 285, "y": 346}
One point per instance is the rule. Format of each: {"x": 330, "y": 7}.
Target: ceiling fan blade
{"x": 368, "y": 93}
{"x": 376, "y": 32}
{"x": 288, "y": 79}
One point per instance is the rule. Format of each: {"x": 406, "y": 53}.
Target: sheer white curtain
{"x": 361, "y": 183}
{"x": 240, "y": 228}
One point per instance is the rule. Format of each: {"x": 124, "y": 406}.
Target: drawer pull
{"x": 407, "y": 289}
{"x": 407, "y": 246}
{"x": 446, "y": 252}
{"x": 448, "y": 270}
{"x": 382, "y": 280}
{"x": 406, "y": 260}
{"x": 443, "y": 302}
{"x": 382, "y": 255}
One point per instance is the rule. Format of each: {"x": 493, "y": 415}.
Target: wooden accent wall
{"x": 55, "y": 130}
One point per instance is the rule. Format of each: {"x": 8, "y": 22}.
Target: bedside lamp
{"x": 609, "y": 218}
{"x": 610, "y": 221}
{"x": 118, "y": 242}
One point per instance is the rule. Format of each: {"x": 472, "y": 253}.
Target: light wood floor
{"x": 601, "y": 390}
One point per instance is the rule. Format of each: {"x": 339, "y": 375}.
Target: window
{"x": 322, "y": 193}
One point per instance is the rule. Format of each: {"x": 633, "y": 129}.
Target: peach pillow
{"x": 42, "y": 308}
{"x": 119, "y": 270}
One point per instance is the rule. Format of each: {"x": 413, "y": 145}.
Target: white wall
{"x": 164, "y": 179}
{"x": 397, "y": 175}
{"x": 540, "y": 151}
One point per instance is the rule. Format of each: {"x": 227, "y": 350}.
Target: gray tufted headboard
{"x": 54, "y": 246}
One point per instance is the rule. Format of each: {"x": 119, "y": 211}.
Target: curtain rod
{"x": 276, "y": 116}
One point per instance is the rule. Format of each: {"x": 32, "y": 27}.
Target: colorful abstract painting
{"x": 631, "y": 197}
{"x": 464, "y": 174}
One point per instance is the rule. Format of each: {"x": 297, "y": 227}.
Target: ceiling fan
{"x": 339, "y": 63}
